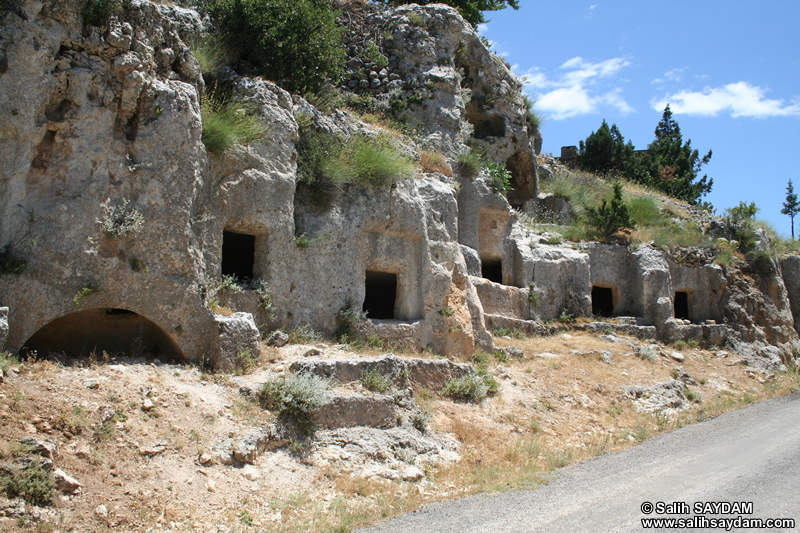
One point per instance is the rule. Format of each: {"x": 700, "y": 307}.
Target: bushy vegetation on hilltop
{"x": 669, "y": 165}
{"x": 296, "y": 44}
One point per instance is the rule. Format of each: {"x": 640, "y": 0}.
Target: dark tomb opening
{"x": 114, "y": 331}
{"x": 380, "y": 294}
{"x": 238, "y": 254}
{"x": 492, "y": 269}
{"x": 602, "y": 301}
{"x": 682, "y": 305}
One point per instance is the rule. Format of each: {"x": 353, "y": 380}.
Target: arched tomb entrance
{"x": 114, "y": 331}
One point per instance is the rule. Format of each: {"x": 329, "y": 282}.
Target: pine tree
{"x": 610, "y": 218}
{"x": 791, "y": 206}
{"x": 604, "y": 150}
{"x": 674, "y": 165}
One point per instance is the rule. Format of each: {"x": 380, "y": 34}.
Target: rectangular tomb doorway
{"x": 492, "y": 269}
{"x": 238, "y": 254}
{"x": 602, "y": 301}
{"x": 380, "y": 294}
{"x": 681, "y": 303}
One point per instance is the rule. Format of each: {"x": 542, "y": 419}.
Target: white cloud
{"x": 592, "y": 7}
{"x": 675, "y": 75}
{"x": 577, "y": 91}
{"x": 739, "y": 99}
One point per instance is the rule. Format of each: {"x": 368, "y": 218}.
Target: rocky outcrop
{"x": 455, "y": 89}
{"x": 427, "y": 373}
{"x": 119, "y": 227}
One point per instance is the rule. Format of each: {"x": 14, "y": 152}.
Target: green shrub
{"x": 296, "y": 397}
{"x": 375, "y": 381}
{"x": 741, "y": 221}
{"x": 215, "y": 288}
{"x": 227, "y": 123}
{"x": 34, "y": 484}
{"x": 303, "y": 241}
{"x": 646, "y": 353}
{"x": 533, "y": 117}
{"x": 508, "y": 332}
{"x": 610, "y": 218}
{"x": 760, "y": 262}
{"x": 121, "y": 220}
{"x": 375, "y": 55}
{"x": 296, "y": 44}
{"x": 98, "y": 12}
{"x": 303, "y": 335}
{"x": 472, "y": 387}
{"x": 533, "y": 294}
{"x": 245, "y": 362}
{"x": 501, "y": 178}
{"x": 724, "y": 251}
{"x": 415, "y": 19}
{"x": 350, "y": 314}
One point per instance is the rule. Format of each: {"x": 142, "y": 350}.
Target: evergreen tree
{"x": 610, "y": 218}
{"x": 791, "y": 206}
{"x": 604, "y": 150}
{"x": 673, "y": 165}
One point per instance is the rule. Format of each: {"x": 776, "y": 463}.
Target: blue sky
{"x": 730, "y": 71}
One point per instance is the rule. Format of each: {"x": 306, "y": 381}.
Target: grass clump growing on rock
{"x": 470, "y": 164}
{"x": 369, "y": 160}
{"x": 296, "y": 397}
{"x": 227, "y": 123}
{"x": 209, "y": 52}
{"x": 328, "y": 163}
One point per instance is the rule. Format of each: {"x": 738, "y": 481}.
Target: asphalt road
{"x": 750, "y": 455}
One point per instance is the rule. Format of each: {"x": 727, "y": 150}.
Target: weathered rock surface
{"x": 46, "y": 447}
{"x": 238, "y": 336}
{"x": 657, "y": 397}
{"x": 369, "y": 446}
{"x": 352, "y": 410}
{"x": 427, "y": 373}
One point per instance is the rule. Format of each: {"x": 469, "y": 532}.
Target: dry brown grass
{"x": 435, "y": 162}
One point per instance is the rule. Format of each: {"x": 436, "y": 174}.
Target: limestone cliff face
{"x": 92, "y": 119}
{"x": 118, "y": 225}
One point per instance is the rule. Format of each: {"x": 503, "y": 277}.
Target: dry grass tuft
{"x": 435, "y": 162}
